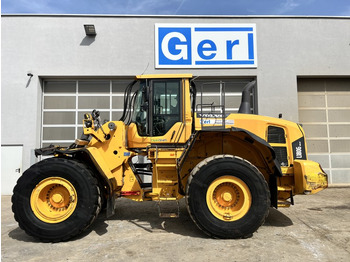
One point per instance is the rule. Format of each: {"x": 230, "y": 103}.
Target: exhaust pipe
{"x": 244, "y": 108}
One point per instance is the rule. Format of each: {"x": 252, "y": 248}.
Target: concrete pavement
{"x": 316, "y": 228}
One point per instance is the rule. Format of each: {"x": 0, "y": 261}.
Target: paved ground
{"x": 316, "y": 228}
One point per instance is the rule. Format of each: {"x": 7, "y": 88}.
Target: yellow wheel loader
{"x": 231, "y": 168}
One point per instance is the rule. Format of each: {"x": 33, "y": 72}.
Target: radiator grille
{"x": 276, "y": 135}
{"x": 281, "y": 155}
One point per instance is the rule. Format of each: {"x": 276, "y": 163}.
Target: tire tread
{"x": 90, "y": 179}
{"x": 203, "y": 164}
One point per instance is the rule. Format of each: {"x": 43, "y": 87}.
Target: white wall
{"x": 56, "y": 46}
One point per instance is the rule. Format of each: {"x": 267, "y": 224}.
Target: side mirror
{"x": 145, "y": 92}
{"x": 144, "y": 106}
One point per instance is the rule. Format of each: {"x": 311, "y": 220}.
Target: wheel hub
{"x": 57, "y": 198}
{"x": 228, "y": 198}
{"x": 53, "y": 200}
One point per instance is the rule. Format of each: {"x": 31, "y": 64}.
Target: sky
{"x": 179, "y": 7}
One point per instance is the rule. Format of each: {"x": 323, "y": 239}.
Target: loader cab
{"x": 160, "y": 111}
{"x": 157, "y": 106}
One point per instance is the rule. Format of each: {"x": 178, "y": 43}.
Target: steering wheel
{"x": 158, "y": 125}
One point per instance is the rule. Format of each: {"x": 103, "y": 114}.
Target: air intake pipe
{"x": 244, "y": 108}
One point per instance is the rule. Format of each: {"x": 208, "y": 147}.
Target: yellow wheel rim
{"x": 228, "y": 198}
{"x": 53, "y": 200}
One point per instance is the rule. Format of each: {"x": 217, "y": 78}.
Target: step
{"x": 151, "y": 194}
{"x": 166, "y": 166}
{"x": 167, "y": 181}
{"x": 168, "y": 199}
{"x": 169, "y": 215}
{"x": 168, "y": 208}
{"x": 284, "y": 188}
{"x": 283, "y": 204}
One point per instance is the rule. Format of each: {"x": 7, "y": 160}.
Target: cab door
{"x": 163, "y": 118}
{"x": 165, "y": 106}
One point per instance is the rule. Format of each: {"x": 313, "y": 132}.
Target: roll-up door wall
{"x": 65, "y": 102}
{"x": 324, "y": 111}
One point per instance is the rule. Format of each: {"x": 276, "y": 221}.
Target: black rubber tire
{"x": 88, "y": 195}
{"x": 227, "y": 165}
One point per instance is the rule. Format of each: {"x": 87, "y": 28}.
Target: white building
{"x": 52, "y": 73}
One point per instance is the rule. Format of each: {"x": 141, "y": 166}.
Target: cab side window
{"x": 166, "y": 106}
{"x": 140, "y": 110}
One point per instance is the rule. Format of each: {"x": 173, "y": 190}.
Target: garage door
{"x": 324, "y": 111}
{"x": 65, "y": 102}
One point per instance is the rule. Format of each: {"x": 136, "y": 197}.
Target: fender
{"x": 92, "y": 157}
{"x": 79, "y": 153}
{"x": 267, "y": 152}
{"x": 235, "y": 141}
{"x": 262, "y": 144}
{"x": 274, "y": 165}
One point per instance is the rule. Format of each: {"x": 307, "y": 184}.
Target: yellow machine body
{"x": 174, "y": 154}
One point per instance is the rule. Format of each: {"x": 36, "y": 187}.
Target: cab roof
{"x": 164, "y": 76}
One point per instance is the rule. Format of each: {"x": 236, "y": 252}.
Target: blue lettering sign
{"x": 205, "y": 46}
{"x": 175, "y": 46}
{"x": 229, "y": 47}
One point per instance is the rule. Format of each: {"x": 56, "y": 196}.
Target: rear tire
{"x": 227, "y": 197}
{"x": 56, "y": 199}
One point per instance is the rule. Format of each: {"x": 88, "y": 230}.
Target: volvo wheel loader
{"x": 230, "y": 168}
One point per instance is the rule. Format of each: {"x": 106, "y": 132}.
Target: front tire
{"x": 227, "y": 197}
{"x": 56, "y": 199}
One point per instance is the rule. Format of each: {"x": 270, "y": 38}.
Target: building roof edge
{"x": 179, "y": 16}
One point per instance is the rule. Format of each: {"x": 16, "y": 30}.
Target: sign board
{"x": 205, "y": 46}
